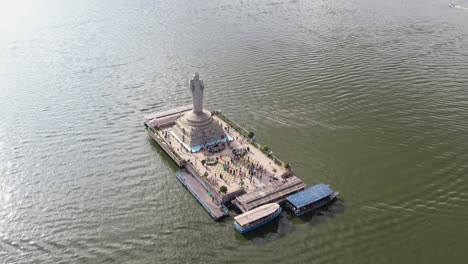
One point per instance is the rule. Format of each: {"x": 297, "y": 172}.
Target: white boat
{"x": 257, "y": 217}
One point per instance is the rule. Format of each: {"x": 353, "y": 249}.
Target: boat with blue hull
{"x": 257, "y": 217}
{"x": 310, "y": 199}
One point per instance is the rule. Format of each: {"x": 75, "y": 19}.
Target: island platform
{"x": 220, "y": 162}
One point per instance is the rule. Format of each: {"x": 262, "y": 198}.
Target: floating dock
{"x": 275, "y": 192}
{"x": 203, "y": 196}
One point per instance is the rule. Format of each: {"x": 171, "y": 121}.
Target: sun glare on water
{"x": 17, "y": 15}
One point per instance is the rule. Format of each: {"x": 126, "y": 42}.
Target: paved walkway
{"x": 231, "y": 181}
{"x": 201, "y": 194}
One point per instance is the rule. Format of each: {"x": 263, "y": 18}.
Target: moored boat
{"x": 310, "y": 199}
{"x": 257, "y": 217}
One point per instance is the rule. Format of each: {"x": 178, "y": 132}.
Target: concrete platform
{"x": 217, "y": 154}
{"x": 216, "y": 211}
{"x": 274, "y": 192}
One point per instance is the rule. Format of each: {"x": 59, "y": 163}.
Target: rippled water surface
{"x": 368, "y": 96}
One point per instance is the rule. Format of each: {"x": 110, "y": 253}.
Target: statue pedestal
{"x": 197, "y": 129}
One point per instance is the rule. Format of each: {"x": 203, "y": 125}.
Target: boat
{"x": 310, "y": 199}
{"x": 257, "y": 217}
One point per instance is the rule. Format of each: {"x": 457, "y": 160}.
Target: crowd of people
{"x": 215, "y": 148}
{"x": 237, "y": 165}
{"x": 244, "y": 168}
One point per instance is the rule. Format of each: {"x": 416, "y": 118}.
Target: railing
{"x": 245, "y": 133}
{"x": 203, "y": 181}
{"x": 194, "y": 193}
{"x": 232, "y": 123}
{"x": 177, "y": 159}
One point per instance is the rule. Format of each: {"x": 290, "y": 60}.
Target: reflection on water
{"x": 367, "y": 96}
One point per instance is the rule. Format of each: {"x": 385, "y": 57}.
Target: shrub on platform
{"x": 223, "y": 189}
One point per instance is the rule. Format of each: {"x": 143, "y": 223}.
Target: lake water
{"x": 370, "y": 97}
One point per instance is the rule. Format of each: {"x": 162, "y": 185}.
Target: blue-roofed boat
{"x": 257, "y": 217}
{"x": 310, "y": 199}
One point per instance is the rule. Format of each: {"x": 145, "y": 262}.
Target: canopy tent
{"x": 309, "y": 195}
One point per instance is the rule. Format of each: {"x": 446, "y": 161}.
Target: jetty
{"x": 220, "y": 162}
{"x": 202, "y": 194}
{"x": 276, "y": 192}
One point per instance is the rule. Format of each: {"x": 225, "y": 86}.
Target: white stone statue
{"x": 197, "y": 87}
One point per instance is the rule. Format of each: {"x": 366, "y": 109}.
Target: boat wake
{"x": 458, "y": 7}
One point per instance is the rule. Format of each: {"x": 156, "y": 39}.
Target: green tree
{"x": 265, "y": 148}
{"x": 203, "y": 162}
{"x": 223, "y": 189}
{"x": 287, "y": 166}
{"x": 251, "y": 134}
{"x": 205, "y": 174}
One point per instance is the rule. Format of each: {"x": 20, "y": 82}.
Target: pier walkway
{"x": 274, "y": 192}
{"x": 203, "y": 196}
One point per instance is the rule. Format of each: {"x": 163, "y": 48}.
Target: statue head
{"x": 196, "y": 76}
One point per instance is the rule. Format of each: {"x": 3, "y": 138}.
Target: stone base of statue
{"x": 198, "y": 129}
